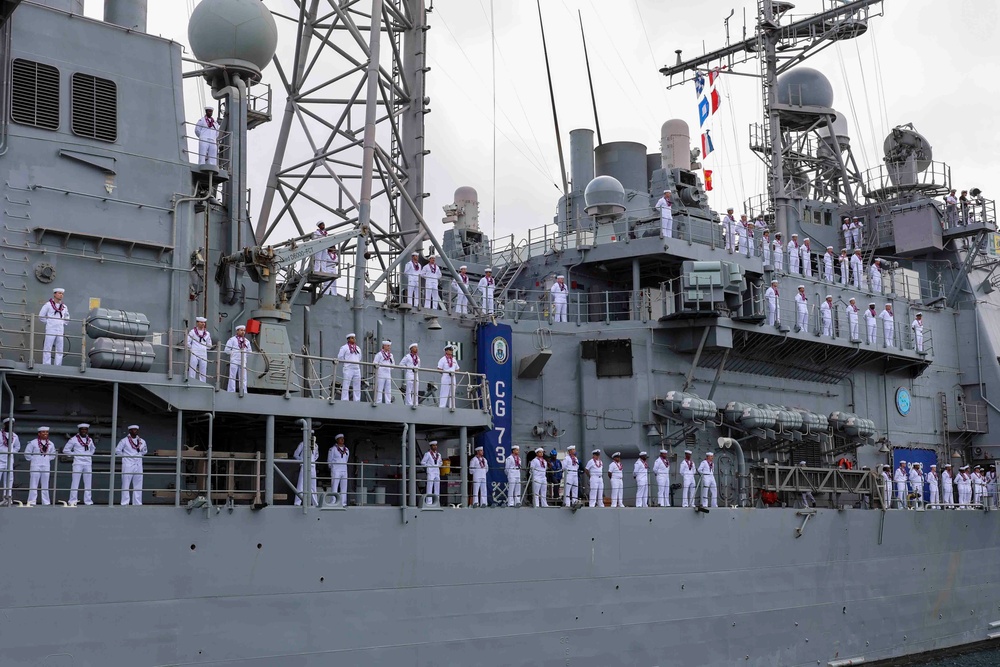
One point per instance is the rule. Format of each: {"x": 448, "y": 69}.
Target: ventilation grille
{"x": 95, "y": 107}
{"x": 34, "y": 98}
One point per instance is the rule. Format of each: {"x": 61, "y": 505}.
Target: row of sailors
{"x": 42, "y": 450}
{"x": 974, "y": 486}
{"x": 871, "y": 315}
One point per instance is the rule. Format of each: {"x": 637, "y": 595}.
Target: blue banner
{"x": 494, "y": 359}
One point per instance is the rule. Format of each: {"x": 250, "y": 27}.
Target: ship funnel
{"x": 71, "y": 6}
{"x": 625, "y": 161}
{"x": 675, "y": 145}
{"x": 581, "y": 157}
{"x": 129, "y": 14}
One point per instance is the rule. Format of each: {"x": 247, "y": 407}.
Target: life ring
{"x": 846, "y": 464}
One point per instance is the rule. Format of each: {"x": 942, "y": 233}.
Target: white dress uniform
{"x": 432, "y": 465}
{"x": 595, "y": 467}
{"x": 918, "y": 333}
{"x": 479, "y": 467}
{"x": 947, "y": 487}
{"x": 319, "y": 263}
{"x": 461, "y": 301}
{"x": 666, "y": 217}
{"x": 729, "y": 227}
{"x": 964, "y": 484}
{"x": 871, "y": 318}
{"x": 888, "y": 327}
{"x": 571, "y": 478}
{"x": 198, "y": 342}
{"x": 807, "y": 265}
{"x": 917, "y": 485}
{"x": 858, "y": 233}
{"x": 875, "y": 275}
{"x": 560, "y": 295}
{"x": 661, "y": 468}
{"x": 383, "y": 375}
{"x": 640, "y": 472}
{"x": 337, "y": 458}
{"x": 708, "y": 487}
{"x": 538, "y": 483}
{"x": 207, "y": 131}
{"x": 826, "y": 311}
{"x": 431, "y": 274}
{"x": 901, "y": 477}
{"x": 412, "y": 272}
{"x": 300, "y": 487}
{"x": 978, "y": 487}
{"x": 846, "y": 230}
{"x": 332, "y": 267}
{"x": 238, "y": 349}
{"x": 845, "y": 269}
{"x": 410, "y": 361}
{"x": 887, "y": 486}
{"x": 932, "y": 487}
{"x": 793, "y": 256}
{"x": 852, "y": 321}
{"x": 486, "y": 288}
{"x": 801, "y": 311}
{"x": 742, "y": 233}
{"x": 773, "y": 306}
{"x": 131, "y": 450}
{"x": 765, "y": 250}
{"x": 512, "y": 466}
{"x": 688, "y": 483}
{"x": 857, "y": 270}
{"x": 10, "y": 444}
{"x": 778, "y": 249}
{"x": 616, "y": 473}
{"x": 828, "y": 260}
{"x": 39, "y": 453}
{"x": 350, "y": 358}
{"x": 55, "y": 316}
{"x": 81, "y": 448}
{"x": 448, "y": 367}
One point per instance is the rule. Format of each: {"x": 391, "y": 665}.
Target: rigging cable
{"x": 493, "y": 63}
{"x": 864, "y": 87}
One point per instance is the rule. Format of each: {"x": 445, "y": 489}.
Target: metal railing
{"x": 192, "y": 148}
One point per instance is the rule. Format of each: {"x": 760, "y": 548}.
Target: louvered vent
{"x": 34, "y": 98}
{"x": 95, "y": 107}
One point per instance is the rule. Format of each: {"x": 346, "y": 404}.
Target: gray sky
{"x": 923, "y": 62}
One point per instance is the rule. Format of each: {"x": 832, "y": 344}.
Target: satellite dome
{"x": 604, "y": 197}
{"x": 235, "y": 33}
{"x": 804, "y": 86}
{"x": 466, "y": 193}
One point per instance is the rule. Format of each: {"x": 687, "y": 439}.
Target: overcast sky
{"x": 924, "y": 62}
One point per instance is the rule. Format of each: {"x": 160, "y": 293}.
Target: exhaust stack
{"x": 129, "y": 14}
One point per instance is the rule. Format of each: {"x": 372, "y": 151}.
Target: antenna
{"x": 552, "y": 99}
{"x": 590, "y": 80}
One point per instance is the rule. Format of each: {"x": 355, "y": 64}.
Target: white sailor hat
{"x": 241, "y": 326}
{"x": 666, "y": 192}
{"x": 515, "y": 447}
{"x": 201, "y": 319}
{"x": 964, "y": 468}
{"x": 877, "y": 261}
{"x": 351, "y": 335}
{"x": 829, "y": 298}
{"x": 856, "y": 218}
{"x": 777, "y": 233}
{"x": 947, "y": 465}
{"x": 596, "y": 451}
{"x": 432, "y": 258}
{"x": 463, "y": 267}
{"x": 321, "y": 224}
{"x": 730, "y": 209}
{"x": 133, "y": 426}
{"x": 851, "y": 299}
{"x": 209, "y": 107}
{"x": 916, "y": 463}
{"x": 642, "y": 454}
{"x": 43, "y": 428}
{"x": 885, "y": 466}
{"x": 433, "y": 443}
{"x": 802, "y": 463}
{"x": 412, "y": 345}
{"x": 871, "y": 304}
{"x": 58, "y": 289}
{"x": 560, "y": 276}
{"x": 387, "y": 342}
{"x": 479, "y": 448}
{"x": 449, "y": 347}
{"x": 888, "y": 305}
{"x": 801, "y": 287}
{"x": 709, "y": 453}
{"x": 338, "y": 436}
{"x": 414, "y": 254}
{"x": 795, "y": 235}
{"x": 83, "y": 425}
{"x": 829, "y": 247}
{"x": 663, "y": 451}
{"x": 489, "y": 270}
{"x": 539, "y": 450}
{"x": 774, "y": 282}
{"x": 7, "y": 420}
{"x": 687, "y": 451}
{"x": 616, "y": 455}
{"x": 902, "y": 463}
{"x": 805, "y": 240}
{"x": 919, "y": 315}
{"x": 571, "y": 447}
{"x": 857, "y": 250}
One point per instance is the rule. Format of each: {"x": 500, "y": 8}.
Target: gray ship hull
{"x": 372, "y": 586}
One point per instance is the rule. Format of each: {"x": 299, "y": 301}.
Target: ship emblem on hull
{"x": 500, "y": 350}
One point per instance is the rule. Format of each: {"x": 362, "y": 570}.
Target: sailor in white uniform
{"x": 411, "y": 362}
{"x": 461, "y": 301}
{"x": 39, "y": 454}
{"x": 991, "y": 485}
{"x": 640, "y": 473}
{"x": 773, "y": 305}
{"x": 916, "y": 479}
{"x": 828, "y": 260}
{"x": 932, "y": 486}
{"x": 448, "y": 367}
{"x": 666, "y": 215}
{"x": 778, "y": 249}
{"x": 888, "y": 325}
{"x": 793, "y": 254}
{"x": 964, "y": 484}
{"x": 616, "y": 473}
{"x": 845, "y": 268}
{"x": 131, "y": 449}
{"x": 765, "y": 248}
{"x": 918, "y": 331}
{"x": 743, "y": 234}
{"x": 512, "y": 467}
{"x": 207, "y": 131}
{"x": 661, "y": 468}
{"x": 806, "y": 255}
{"x": 299, "y": 455}
{"x": 875, "y": 275}
{"x": 486, "y": 288}
{"x": 845, "y": 228}
{"x": 857, "y": 269}
{"x": 871, "y": 320}
{"x": 431, "y": 275}
{"x": 978, "y": 485}
{"x": 571, "y": 476}
{"x": 10, "y": 444}
{"x": 199, "y": 341}
{"x": 319, "y": 257}
{"x": 852, "y": 319}
{"x": 412, "y": 272}
{"x": 708, "y": 487}
{"x": 55, "y": 316}
{"x": 432, "y": 465}
{"x": 333, "y": 268}
{"x": 350, "y": 361}
{"x": 887, "y": 485}
{"x": 801, "y": 310}
{"x": 826, "y": 312}
{"x": 560, "y": 294}
{"x": 538, "y": 482}
{"x": 901, "y": 477}
{"x": 238, "y": 349}
{"x": 729, "y": 228}
{"x": 81, "y": 448}
{"x": 857, "y": 231}
{"x": 479, "y": 467}
{"x": 688, "y": 483}
{"x": 384, "y": 361}
{"x": 337, "y": 459}
{"x": 595, "y": 471}
{"x": 947, "y": 485}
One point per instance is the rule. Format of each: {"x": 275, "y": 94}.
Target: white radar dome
{"x": 604, "y": 197}
{"x": 235, "y": 33}
{"x": 804, "y": 86}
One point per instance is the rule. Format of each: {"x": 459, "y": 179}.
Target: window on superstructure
{"x": 95, "y": 107}
{"x": 34, "y": 94}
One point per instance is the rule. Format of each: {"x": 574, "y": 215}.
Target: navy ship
{"x": 172, "y": 345}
